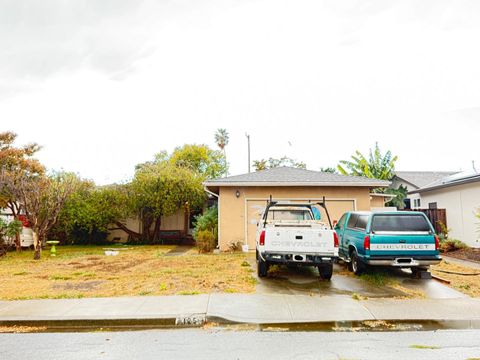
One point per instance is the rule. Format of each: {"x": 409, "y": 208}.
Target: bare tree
{"x": 42, "y": 199}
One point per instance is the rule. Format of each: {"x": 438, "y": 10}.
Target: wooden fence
{"x": 436, "y": 216}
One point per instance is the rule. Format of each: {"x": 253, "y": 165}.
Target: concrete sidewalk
{"x": 240, "y": 308}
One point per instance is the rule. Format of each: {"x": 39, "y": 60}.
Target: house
{"x": 414, "y": 180}
{"x": 459, "y": 194}
{"x": 176, "y": 227}
{"x": 242, "y": 198}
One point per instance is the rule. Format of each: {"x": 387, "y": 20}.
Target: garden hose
{"x": 457, "y": 273}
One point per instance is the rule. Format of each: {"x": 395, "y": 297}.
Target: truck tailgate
{"x": 299, "y": 240}
{"x": 402, "y": 245}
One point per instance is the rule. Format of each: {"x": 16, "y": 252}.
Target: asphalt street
{"x": 245, "y": 344}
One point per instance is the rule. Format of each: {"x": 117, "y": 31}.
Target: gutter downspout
{"x": 218, "y": 209}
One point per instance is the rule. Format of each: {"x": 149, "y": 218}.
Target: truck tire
{"x": 325, "y": 271}
{"x": 262, "y": 268}
{"x": 358, "y": 266}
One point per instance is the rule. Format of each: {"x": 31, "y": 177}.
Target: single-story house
{"x": 242, "y": 198}
{"x": 459, "y": 194}
{"x": 178, "y": 226}
{"x": 414, "y": 180}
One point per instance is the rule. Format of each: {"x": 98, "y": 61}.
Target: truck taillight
{"x": 262, "y": 238}
{"x": 366, "y": 242}
{"x": 335, "y": 239}
{"x": 437, "y": 242}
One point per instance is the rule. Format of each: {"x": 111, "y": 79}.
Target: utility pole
{"x": 248, "y": 141}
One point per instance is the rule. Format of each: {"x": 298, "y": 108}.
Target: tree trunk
{"x": 37, "y": 243}
{"x": 131, "y": 233}
{"x": 18, "y": 244}
{"x": 156, "y": 230}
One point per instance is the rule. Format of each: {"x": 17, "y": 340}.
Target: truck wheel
{"x": 325, "y": 271}
{"x": 262, "y": 268}
{"x": 357, "y": 265}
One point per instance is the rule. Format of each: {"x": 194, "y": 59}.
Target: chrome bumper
{"x": 402, "y": 262}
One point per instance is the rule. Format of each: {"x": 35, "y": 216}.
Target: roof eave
{"x": 446, "y": 185}
{"x": 273, "y": 183}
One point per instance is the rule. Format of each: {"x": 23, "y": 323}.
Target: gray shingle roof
{"x": 452, "y": 180}
{"x": 422, "y": 178}
{"x": 288, "y": 176}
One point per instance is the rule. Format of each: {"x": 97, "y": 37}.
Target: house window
{"x": 432, "y": 205}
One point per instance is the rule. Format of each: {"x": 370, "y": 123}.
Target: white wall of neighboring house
{"x": 461, "y": 203}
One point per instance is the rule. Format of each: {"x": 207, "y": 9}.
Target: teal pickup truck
{"x": 400, "y": 239}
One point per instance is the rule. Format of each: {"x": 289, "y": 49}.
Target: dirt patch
{"x": 141, "y": 270}
{"x": 472, "y": 254}
{"x": 466, "y": 284}
{"x": 82, "y": 286}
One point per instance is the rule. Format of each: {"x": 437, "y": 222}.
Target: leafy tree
{"x": 400, "y": 195}
{"x": 9, "y": 230}
{"x": 160, "y": 190}
{"x": 89, "y": 211}
{"x": 222, "y": 139}
{"x": 330, "y": 170}
{"x": 208, "y": 163}
{"x": 17, "y": 163}
{"x": 43, "y": 198}
{"x": 376, "y": 166}
{"x": 273, "y": 163}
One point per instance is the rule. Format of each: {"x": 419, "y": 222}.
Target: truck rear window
{"x": 401, "y": 223}
{"x": 289, "y": 215}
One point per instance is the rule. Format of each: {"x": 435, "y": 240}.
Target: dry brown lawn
{"x": 469, "y": 285}
{"x": 82, "y": 271}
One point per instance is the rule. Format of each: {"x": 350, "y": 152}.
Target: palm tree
{"x": 221, "y": 138}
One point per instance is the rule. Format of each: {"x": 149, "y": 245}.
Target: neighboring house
{"x": 242, "y": 198}
{"x": 414, "y": 180}
{"x": 459, "y": 194}
{"x": 26, "y": 235}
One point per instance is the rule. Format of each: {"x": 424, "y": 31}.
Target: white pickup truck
{"x": 288, "y": 233}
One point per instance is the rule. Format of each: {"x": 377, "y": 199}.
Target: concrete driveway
{"x": 306, "y": 281}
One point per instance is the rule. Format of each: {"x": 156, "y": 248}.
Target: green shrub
{"x": 207, "y": 221}
{"x": 205, "y": 241}
{"x": 447, "y": 245}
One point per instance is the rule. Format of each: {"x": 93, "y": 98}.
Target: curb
{"x": 200, "y": 320}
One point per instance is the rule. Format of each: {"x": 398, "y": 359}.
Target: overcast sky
{"x": 104, "y": 85}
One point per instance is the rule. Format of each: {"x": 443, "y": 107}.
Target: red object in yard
{"x": 24, "y": 220}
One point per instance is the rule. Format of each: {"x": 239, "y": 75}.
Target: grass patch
{"x": 424, "y": 347}
{"x": 377, "y": 278}
{"x": 60, "y": 277}
{"x": 245, "y": 263}
{"x": 20, "y": 273}
{"x": 188, "y": 292}
{"x": 359, "y": 297}
{"x": 85, "y": 271}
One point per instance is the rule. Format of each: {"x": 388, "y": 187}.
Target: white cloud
{"x": 122, "y": 83}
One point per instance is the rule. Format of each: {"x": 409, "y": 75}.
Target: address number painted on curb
{"x": 192, "y": 319}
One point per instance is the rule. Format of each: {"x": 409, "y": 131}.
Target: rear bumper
{"x": 403, "y": 261}
{"x": 298, "y": 258}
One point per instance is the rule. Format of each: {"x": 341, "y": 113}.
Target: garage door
{"x": 336, "y": 208}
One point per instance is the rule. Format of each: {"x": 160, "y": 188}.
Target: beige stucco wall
{"x": 377, "y": 202}
{"x": 172, "y": 222}
{"x": 232, "y": 210}
{"x": 461, "y": 203}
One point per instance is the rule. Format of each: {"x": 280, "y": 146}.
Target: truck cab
{"x": 400, "y": 239}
